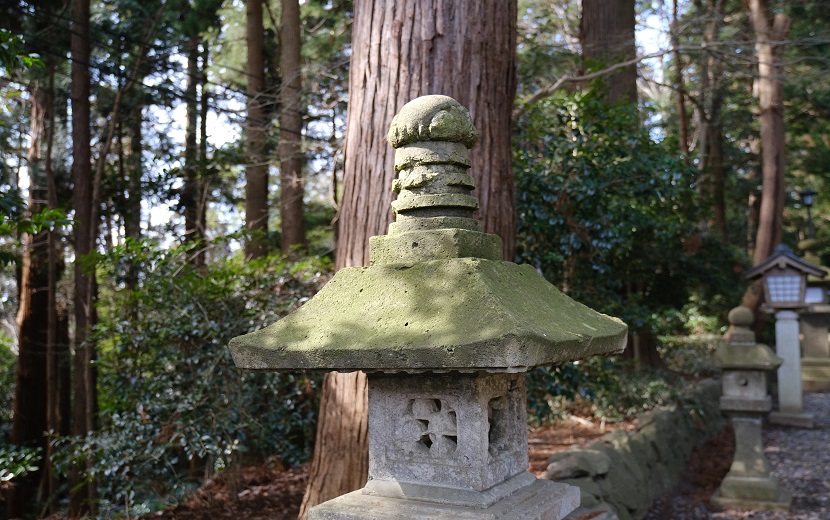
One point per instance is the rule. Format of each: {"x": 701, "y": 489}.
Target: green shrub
{"x": 8, "y": 362}
{"x": 173, "y": 408}
{"x": 611, "y": 215}
{"x": 608, "y": 387}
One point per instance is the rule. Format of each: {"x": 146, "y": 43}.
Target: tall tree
{"x": 85, "y": 402}
{"x": 256, "y": 169}
{"x": 291, "y": 127}
{"x": 607, "y": 34}
{"x": 402, "y": 50}
{"x": 190, "y": 190}
{"x": 30, "y": 422}
{"x": 770, "y": 31}
{"x": 710, "y": 122}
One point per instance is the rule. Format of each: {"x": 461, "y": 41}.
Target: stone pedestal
{"x": 790, "y": 394}
{"x": 749, "y": 483}
{"x": 449, "y": 446}
{"x": 815, "y": 361}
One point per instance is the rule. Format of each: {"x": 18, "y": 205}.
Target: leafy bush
{"x": 8, "y": 362}
{"x": 16, "y": 461}
{"x": 173, "y": 408}
{"x": 606, "y": 387}
{"x": 612, "y": 216}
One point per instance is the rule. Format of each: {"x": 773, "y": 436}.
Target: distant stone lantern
{"x": 784, "y": 277}
{"x": 745, "y": 400}
{"x": 815, "y": 323}
{"x": 445, "y": 329}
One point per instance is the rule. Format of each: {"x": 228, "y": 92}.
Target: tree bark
{"x": 402, "y": 50}
{"x": 607, "y": 34}
{"x": 82, "y": 493}
{"x": 191, "y": 152}
{"x": 30, "y": 397}
{"x": 770, "y": 31}
{"x": 680, "y": 83}
{"x": 710, "y": 124}
{"x": 204, "y": 170}
{"x": 256, "y": 171}
{"x": 292, "y": 188}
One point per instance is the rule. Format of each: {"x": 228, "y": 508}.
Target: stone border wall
{"x": 624, "y": 472}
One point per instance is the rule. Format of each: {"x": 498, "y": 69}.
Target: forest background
{"x": 177, "y": 172}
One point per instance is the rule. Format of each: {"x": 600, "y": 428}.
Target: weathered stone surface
{"x": 543, "y": 500}
{"x": 749, "y": 490}
{"x": 432, "y": 118}
{"x": 790, "y": 393}
{"x": 445, "y": 329}
{"x": 577, "y": 463}
{"x": 454, "y": 314}
{"x": 410, "y": 248}
{"x": 815, "y": 374}
{"x": 631, "y": 469}
{"x": 461, "y": 431}
{"x": 745, "y": 399}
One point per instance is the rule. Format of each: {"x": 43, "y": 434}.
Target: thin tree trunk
{"x": 190, "y": 190}
{"x": 82, "y": 493}
{"x": 710, "y": 125}
{"x": 402, "y": 50}
{"x": 291, "y": 127}
{"x": 680, "y": 84}
{"x": 607, "y": 34}
{"x": 256, "y": 170}
{"x": 204, "y": 175}
{"x": 770, "y": 31}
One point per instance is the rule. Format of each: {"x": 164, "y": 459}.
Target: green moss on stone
{"x": 454, "y": 314}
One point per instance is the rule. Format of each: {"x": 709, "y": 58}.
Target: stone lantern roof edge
{"x": 464, "y": 314}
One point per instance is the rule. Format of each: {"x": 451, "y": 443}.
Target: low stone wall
{"x": 624, "y": 472}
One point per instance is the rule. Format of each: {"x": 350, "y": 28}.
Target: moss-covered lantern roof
{"x": 437, "y": 296}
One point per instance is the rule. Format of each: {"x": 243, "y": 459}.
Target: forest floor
{"x": 259, "y": 492}
{"x": 799, "y": 457}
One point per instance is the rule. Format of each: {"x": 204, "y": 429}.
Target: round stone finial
{"x": 432, "y": 118}
{"x": 432, "y": 137}
{"x": 741, "y": 317}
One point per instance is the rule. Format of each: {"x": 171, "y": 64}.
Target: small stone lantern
{"x": 745, "y": 400}
{"x": 446, "y": 330}
{"x": 784, "y": 276}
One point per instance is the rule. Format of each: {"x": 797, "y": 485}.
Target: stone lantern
{"x": 445, "y": 330}
{"x": 815, "y": 324}
{"x": 745, "y": 400}
{"x": 784, "y": 277}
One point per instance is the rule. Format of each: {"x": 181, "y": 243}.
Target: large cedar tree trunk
{"x": 291, "y": 126}
{"x": 769, "y": 32}
{"x": 29, "y": 407}
{"x": 607, "y": 34}
{"x": 256, "y": 170}
{"x": 402, "y": 50}
{"x": 82, "y": 494}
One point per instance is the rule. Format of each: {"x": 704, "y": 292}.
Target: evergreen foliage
{"x": 173, "y": 407}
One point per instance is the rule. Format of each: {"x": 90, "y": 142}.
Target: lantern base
{"x": 815, "y": 374}
{"x": 541, "y": 500}
{"x": 796, "y": 419}
{"x": 752, "y": 493}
